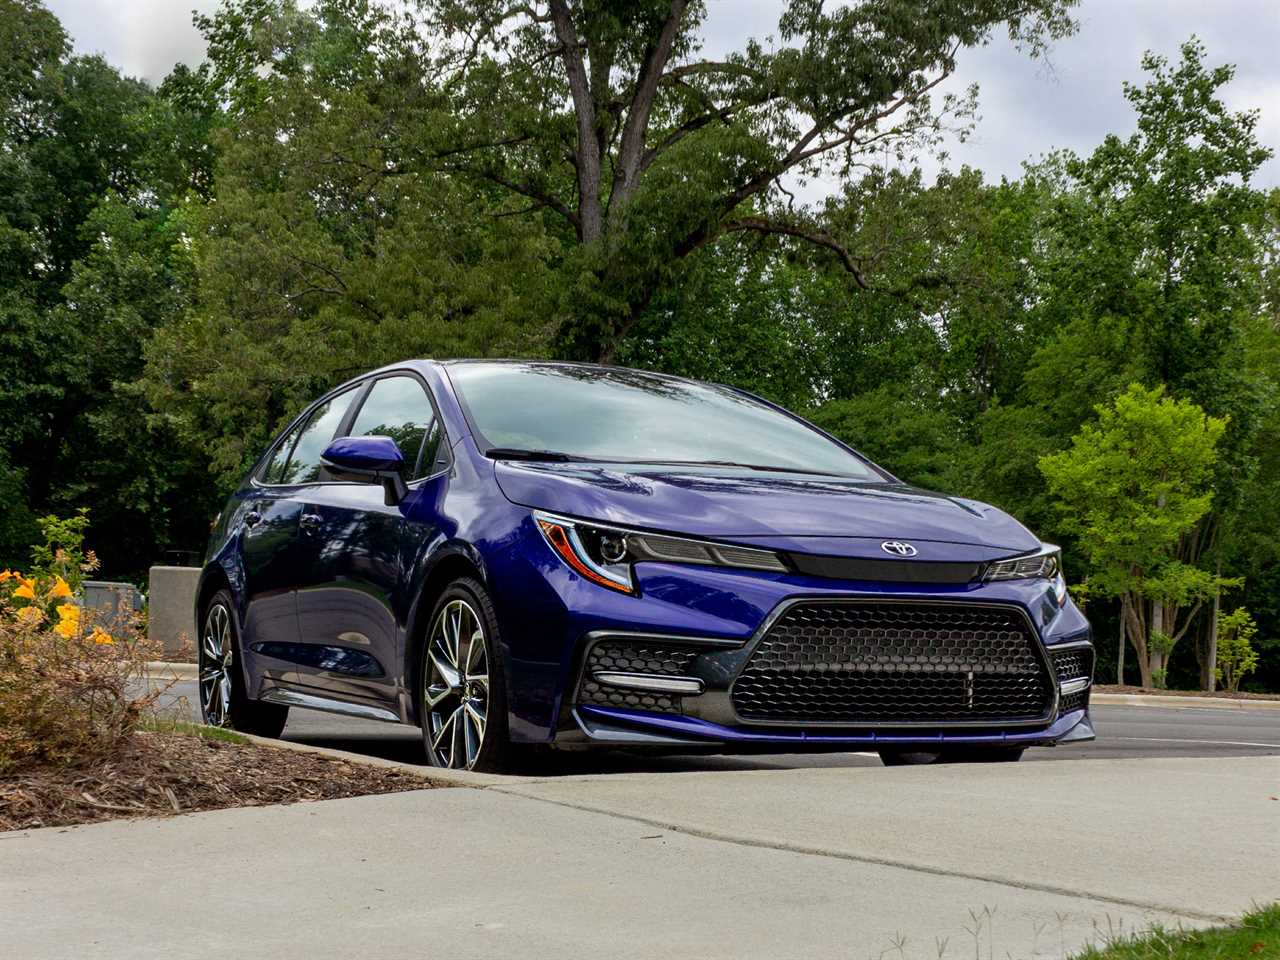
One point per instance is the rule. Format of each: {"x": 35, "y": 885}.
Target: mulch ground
{"x": 1114, "y": 688}
{"x": 160, "y": 774}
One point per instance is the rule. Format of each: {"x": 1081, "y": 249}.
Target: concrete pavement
{"x": 841, "y": 862}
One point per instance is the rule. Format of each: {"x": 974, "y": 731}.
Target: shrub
{"x": 69, "y": 691}
{"x": 1236, "y": 656}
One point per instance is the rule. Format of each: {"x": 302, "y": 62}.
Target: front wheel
{"x": 462, "y": 697}
{"x": 223, "y": 699}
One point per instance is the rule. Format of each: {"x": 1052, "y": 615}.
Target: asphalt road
{"x": 1129, "y": 732}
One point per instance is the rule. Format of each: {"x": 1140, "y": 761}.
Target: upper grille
{"x": 881, "y": 663}
{"x": 630, "y": 656}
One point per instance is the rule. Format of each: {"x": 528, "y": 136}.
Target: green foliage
{"x": 1236, "y": 656}
{"x": 61, "y": 553}
{"x": 907, "y": 435}
{"x": 1133, "y": 482}
{"x": 1256, "y": 935}
{"x": 318, "y": 256}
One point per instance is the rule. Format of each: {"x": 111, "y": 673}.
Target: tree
{"x": 1236, "y": 656}
{"x": 323, "y": 251}
{"x": 1131, "y": 485}
{"x": 604, "y": 112}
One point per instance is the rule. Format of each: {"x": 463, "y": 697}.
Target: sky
{"x": 1028, "y": 107}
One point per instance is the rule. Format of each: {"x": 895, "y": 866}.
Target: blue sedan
{"x": 519, "y": 556}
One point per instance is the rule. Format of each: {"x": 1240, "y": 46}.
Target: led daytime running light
{"x": 569, "y": 547}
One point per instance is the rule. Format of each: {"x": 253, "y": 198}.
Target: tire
{"x": 906, "y": 758}
{"x": 983, "y": 755}
{"x": 220, "y": 677}
{"x": 461, "y": 689}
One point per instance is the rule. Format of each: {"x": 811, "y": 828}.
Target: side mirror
{"x": 369, "y": 460}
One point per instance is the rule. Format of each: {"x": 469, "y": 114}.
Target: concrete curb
{"x": 1200, "y": 703}
{"x": 167, "y": 670}
{"x": 436, "y": 775}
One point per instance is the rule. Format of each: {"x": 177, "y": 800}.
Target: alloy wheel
{"x": 215, "y": 667}
{"x": 456, "y": 687}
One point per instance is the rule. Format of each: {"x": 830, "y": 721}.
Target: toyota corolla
{"x": 517, "y": 556}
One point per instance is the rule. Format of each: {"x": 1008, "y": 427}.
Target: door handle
{"x": 309, "y": 522}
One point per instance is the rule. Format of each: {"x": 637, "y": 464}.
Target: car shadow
{"x": 407, "y": 748}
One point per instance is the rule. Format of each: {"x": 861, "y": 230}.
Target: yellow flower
{"x": 26, "y": 590}
{"x": 101, "y": 636}
{"x": 66, "y": 628}
{"x": 68, "y": 612}
{"x": 6, "y": 574}
{"x": 60, "y": 589}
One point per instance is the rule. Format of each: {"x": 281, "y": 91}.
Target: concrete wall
{"x": 112, "y": 606}
{"x": 171, "y": 623}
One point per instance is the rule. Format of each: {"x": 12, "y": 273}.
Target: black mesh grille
{"x": 885, "y": 663}
{"x": 1073, "y": 664}
{"x": 626, "y": 656}
{"x": 1074, "y": 701}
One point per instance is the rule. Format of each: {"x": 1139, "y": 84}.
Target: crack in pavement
{"x": 719, "y": 836}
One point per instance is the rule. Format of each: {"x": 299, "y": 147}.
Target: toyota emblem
{"x": 898, "y": 548}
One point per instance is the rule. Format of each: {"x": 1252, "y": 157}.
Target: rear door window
{"x": 304, "y": 461}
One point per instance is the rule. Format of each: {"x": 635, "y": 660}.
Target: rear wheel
{"x": 220, "y": 678}
{"x": 462, "y": 697}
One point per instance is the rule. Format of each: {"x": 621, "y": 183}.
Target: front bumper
{"x": 552, "y": 618}
{"x": 675, "y": 691}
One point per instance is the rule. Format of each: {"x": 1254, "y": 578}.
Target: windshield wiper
{"x": 514, "y": 453}
{"x": 744, "y": 466}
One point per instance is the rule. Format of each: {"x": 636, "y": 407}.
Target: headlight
{"x": 1044, "y": 564}
{"x": 604, "y": 554}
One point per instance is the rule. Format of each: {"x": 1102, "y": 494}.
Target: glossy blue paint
{"x": 329, "y": 564}
{"x": 369, "y": 454}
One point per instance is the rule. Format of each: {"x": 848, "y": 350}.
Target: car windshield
{"x": 614, "y": 415}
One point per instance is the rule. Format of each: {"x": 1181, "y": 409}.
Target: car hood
{"x": 812, "y": 513}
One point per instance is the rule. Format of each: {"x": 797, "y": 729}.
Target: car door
{"x": 270, "y": 543}
{"x": 353, "y": 547}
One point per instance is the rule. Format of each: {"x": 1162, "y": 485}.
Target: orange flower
{"x": 66, "y": 628}
{"x": 60, "y": 589}
{"x": 26, "y": 589}
{"x": 6, "y": 574}
{"x": 101, "y": 636}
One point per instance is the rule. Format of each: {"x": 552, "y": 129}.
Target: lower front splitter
{"x": 614, "y": 725}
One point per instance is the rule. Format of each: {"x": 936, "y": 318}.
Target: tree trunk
{"x": 1155, "y": 659}
{"x": 1133, "y": 608}
{"x": 1208, "y": 668}
{"x": 1120, "y": 651}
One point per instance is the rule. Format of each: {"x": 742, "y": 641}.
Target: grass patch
{"x": 1256, "y": 936}
{"x": 183, "y": 728}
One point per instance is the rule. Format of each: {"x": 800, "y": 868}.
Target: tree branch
{"x": 631, "y": 148}
{"x": 816, "y": 237}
